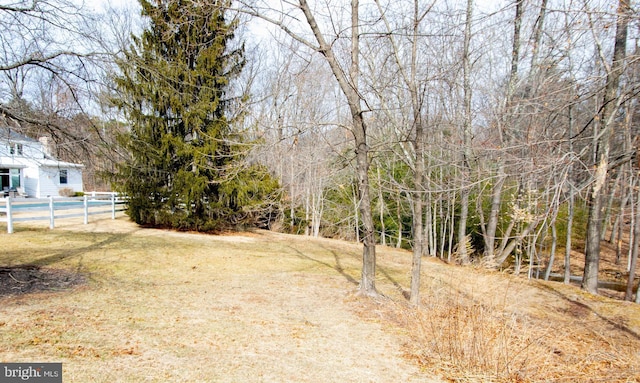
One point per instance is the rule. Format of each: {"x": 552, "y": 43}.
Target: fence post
{"x": 9, "y": 216}
{"x": 51, "y": 214}
{"x": 113, "y": 205}
{"x": 86, "y": 209}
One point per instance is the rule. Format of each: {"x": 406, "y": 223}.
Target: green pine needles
{"x": 187, "y": 167}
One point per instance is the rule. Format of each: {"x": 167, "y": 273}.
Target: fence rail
{"x": 26, "y": 209}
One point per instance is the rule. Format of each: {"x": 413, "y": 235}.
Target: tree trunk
{"x": 609, "y": 206}
{"x": 418, "y": 240}
{"x": 416, "y": 263}
{"x": 516, "y": 242}
{"x": 408, "y": 75}
{"x": 443, "y": 231}
{"x": 595, "y": 198}
{"x": 632, "y": 226}
{"x": 567, "y": 249}
{"x": 383, "y": 235}
{"x": 452, "y": 219}
{"x": 628, "y": 296}
{"x": 492, "y": 223}
{"x": 619, "y": 226}
{"x": 399, "y": 216}
{"x": 466, "y": 134}
{"x": 592, "y": 253}
{"x": 496, "y": 194}
{"x": 462, "y": 226}
{"x": 515, "y": 51}
{"x": 537, "y": 34}
{"x": 552, "y": 252}
{"x": 571, "y": 202}
{"x": 356, "y": 209}
{"x": 367, "y": 284}
{"x": 350, "y": 88}
{"x": 307, "y": 208}
{"x": 349, "y": 85}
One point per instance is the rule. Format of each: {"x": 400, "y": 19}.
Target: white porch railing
{"x": 28, "y": 209}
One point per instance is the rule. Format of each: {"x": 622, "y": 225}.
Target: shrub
{"x": 66, "y": 192}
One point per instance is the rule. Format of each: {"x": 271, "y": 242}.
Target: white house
{"x": 27, "y": 169}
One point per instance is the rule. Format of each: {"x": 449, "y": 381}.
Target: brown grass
{"x": 163, "y": 306}
{"x": 264, "y": 307}
{"x": 478, "y": 326}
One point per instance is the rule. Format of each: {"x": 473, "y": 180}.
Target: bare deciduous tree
{"x": 347, "y": 78}
{"x": 610, "y": 103}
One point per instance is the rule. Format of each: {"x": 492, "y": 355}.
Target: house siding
{"x": 50, "y": 181}
{"x": 48, "y": 186}
{"x": 31, "y": 185}
{"x": 39, "y": 173}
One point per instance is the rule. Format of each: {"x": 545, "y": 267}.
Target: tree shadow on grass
{"x": 337, "y": 266}
{"x": 39, "y": 276}
{"x": 577, "y": 308}
{"x": 75, "y": 253}
{"x": 405, "y": 293}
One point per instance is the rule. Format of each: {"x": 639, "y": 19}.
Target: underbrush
{"x": 466, "y": 340}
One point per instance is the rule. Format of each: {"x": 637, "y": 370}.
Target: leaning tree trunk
{"x": 595, "y": 197}
{"x": 349, "y": 86}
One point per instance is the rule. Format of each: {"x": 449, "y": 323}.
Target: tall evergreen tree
{"x": 186, "y": 168}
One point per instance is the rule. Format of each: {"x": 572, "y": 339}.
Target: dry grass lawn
{"x": 159, "y": 306}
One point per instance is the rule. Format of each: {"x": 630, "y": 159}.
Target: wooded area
{"x": 501, "y": 133}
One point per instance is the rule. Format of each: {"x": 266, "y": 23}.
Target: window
{"x": 63, "y": 177}
{"x": 4, "y": 180}
{"x": 15, "y": 178}
{"x": 15, "y": 149}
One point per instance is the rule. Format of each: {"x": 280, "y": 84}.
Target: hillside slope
{"x": 161, "y": 306}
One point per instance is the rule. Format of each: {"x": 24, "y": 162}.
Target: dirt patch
{"x": 28, "y": 279}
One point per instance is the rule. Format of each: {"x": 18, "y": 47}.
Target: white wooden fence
{"x": 26, "y": 209}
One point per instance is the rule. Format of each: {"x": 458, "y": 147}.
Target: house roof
{"x": 9, "y": 134}
{"x": 41, "y": 162}
{"x": 12, "y": 165}
{"x": 52, "y": 163}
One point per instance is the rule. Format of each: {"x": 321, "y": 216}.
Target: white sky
{"x": 98, "y": 4}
